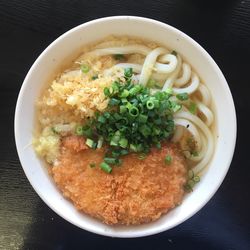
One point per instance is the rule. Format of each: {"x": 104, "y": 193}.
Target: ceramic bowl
{"x": 60, "y": 51}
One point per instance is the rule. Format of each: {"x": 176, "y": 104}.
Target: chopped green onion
{"x": 118, "y": 56}
{"x": 151, "y": 83}
{"x": 90, "y": 142}
{"x": 150, "y": 104}
{"x": 176, "y": 106}
{"x": 133, "y": 111}
{"x": 123, "y": 142}
{"x": 115, "y": 87}
{"x": 133, "y": 148}
{"x": 106, "y": 91}
{"x": 101, "y": 119}
{"x": 190, "y": 174}
{"x": 110, "y": 160}
{"x": 114, "y": 102}
{"x": 158, "y": 145}
{"x": 192, "y": 108}
{"x": 100, "y": 142}
{"x": 79, "y": 130}
{"x": 92, "y": 165}
{"x": 169, "y": 91}
{"x": 174, "y": 53}
{"x": 191, "y": 184}
{"x": 188, "y": 188}
{"x": 128, "y": 72}
{"x": 145, "y": 130}
{"x": 115, "y": 139}
{"x": 136, "y": 89}
{"x": 196, "y": 178}
{"x": 134, "y": 121}
{"x": 54, "y": 130}
{"x": 156, "y": 131}
{"x": 106, "y": 115}
{"x": 142, "y": 156}
{"x": 142, "y": 118}
{"x": 115, "y": 154}
{"x": 117, "y": 116}
{"x": 87, "y": 132}
{"x": 168, "y": 159}
{"x": 125, "y": 93}
{"x": 118, "y": 162}
{"x": 94, "y": 77}
{"x": 124, "y": 152}
{"x": 156, "y": 103}
{"x": 123, "y": 109}
{"x": 194, "y": 153}
{"x": 182, "y": 96}
{"x": 85, "y": 68}
{"x": 105, "y": 167}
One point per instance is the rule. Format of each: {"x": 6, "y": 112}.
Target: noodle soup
{"x": 126, "y": 130}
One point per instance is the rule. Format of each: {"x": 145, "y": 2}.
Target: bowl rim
{"x": 215, "y": 68}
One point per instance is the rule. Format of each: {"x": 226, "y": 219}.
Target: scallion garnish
{"x": 196, "y": 178}
{"x": 85, "y": 68}
{"x": 123, "y": 142}
{"x": 94, "y": 77}
{"x": 193, "y": 108}
{"x": 133, "y": 111}
{"x": 150, "y": 104}
{"x": 134, "y": 121}
{"x": 182, "y": 96}
{"x": 92, "y": 165}
{"x": 142, "y": 118}
{"x": 100, "y": 142}
{"x": 106, "y": 91}
{"x": 109, "y": 160}
{"x": 174, "y": 53}
{"x": 105, "y": 167}
{"x": 142, "y": 156}
{"x": 89, "y": 142}
{"x": 128, "y": 72}
{"x": 169, "y": 91}
{"x": 114, "y": 102}
{"x": 79, "y": 130}
{"x": 192, "y": 180}
{"x": 168, "y": 159}
{"x": 118, "y": 56}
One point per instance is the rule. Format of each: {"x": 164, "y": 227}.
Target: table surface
{"x": 27, "y": 27}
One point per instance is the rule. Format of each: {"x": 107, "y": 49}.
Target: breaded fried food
{"x": 138, "y": 191}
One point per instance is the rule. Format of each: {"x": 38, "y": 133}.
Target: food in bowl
{"x": 126, "y": 131}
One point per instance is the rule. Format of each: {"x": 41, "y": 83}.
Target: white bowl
{"x": 60, "y": 51}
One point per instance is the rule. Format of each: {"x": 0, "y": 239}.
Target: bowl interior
{"x": 59, "y": 52}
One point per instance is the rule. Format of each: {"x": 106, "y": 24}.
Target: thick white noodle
{"x": 205, "y": 94}
{"x": 170, "y": 80}
{"x": 159, "y": 77}
{"x": 207, "y": 133}
{"x": 178, "y": 133}
{"x": 191, "y": 88}
{"x": 205, "y": 111}
{"x": 191, "y": 128}
{"x": 149, "y": 63}
{"x": 166, "y": 68}
{"x": 186, "y": 75}
{"x": 129, "y": 49}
